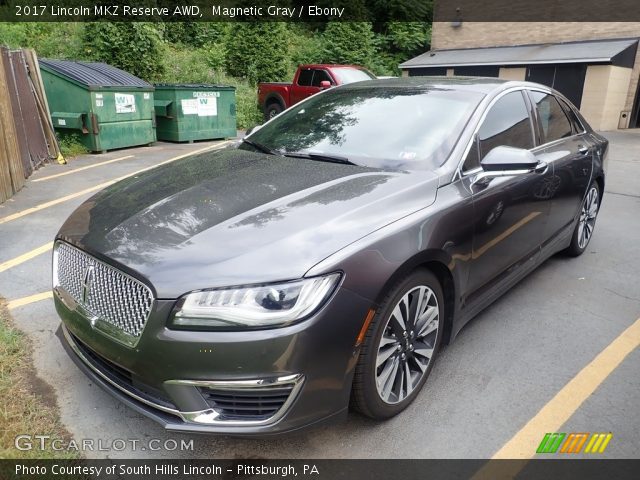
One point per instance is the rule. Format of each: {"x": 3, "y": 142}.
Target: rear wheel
{"x": 399, "y": 347}
{"x": 272, "y": 110}
{"x": 586, "y": 222}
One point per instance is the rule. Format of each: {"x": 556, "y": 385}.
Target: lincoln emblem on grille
{"x": 86, "y": 283}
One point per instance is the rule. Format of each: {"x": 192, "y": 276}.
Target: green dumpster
{"x": 106, "y": 107}
{"x": 185, "y": 113}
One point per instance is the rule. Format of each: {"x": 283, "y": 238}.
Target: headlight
{"x": 254, "y": 306}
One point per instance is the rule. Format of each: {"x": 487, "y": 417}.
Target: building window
{"x": 427, "y": 72}
{"x": 477, "y": 71}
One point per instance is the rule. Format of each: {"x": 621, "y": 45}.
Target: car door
{"x": 305, "y": 86}
{"x": 509, "y": 220}
{"x": 565, "y": 146}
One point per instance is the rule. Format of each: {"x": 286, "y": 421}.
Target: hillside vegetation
{"x": 232, "y": 53}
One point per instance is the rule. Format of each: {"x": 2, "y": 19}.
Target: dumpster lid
{"x": 93, "y": 74}
{"x": 193, "y": 86}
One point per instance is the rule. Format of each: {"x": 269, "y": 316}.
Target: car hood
{"x": 235, "y": 217}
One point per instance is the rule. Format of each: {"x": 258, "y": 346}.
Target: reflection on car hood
{"x": 236, "y": 217}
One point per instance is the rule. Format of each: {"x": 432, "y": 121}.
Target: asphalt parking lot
{"x": 513, "y": 374}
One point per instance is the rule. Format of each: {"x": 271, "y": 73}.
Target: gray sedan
{"x": 322, "y": 262}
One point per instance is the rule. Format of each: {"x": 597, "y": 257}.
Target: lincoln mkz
{"x": 321, "y": 262}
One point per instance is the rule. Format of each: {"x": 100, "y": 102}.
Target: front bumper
{"x": 287, "y": 377}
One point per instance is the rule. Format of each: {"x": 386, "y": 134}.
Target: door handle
{"x": 582, "y": 150}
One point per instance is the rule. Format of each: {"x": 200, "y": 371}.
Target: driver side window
{"x": 321, "y": 76}
{"x": 506, "y": 124}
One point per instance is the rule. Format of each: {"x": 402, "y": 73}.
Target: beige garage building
{"x": 596, "y": 64}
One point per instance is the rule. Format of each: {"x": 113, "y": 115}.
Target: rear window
{"x": 578, "y": 127}
{"x": 554, "y": 122}
{"x": 351, "y": 75}
{"x": 305, "y": 78}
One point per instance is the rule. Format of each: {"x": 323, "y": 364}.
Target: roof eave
{"x": 507, "y": 63}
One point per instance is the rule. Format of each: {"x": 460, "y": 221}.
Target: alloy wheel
{"x": 588, "y": 217}
{"x": 407, "y": 344}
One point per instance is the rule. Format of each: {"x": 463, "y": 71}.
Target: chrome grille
{"x": 102, "y": 290}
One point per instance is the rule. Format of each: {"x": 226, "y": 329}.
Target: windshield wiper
{"x": 260, "y": 147}
{"x": 323, "y": 157}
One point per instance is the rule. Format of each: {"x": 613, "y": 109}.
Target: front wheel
{"x": 400, "y": 347}
{"x": 586, "y": 222}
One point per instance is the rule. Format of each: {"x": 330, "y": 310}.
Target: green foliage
{"x": 405, "y": 10}
{"x": 71, "y": 144}
{"x": 186, "y": 65}
{"x": 409, "y": 38}
{"x": 247, "y": 111}
{"x": 398, "y": 42}
{"x": 195, "y": 34}
{"x": 258, "y": 51}
{"x": 47, "y": 39}
{"x": 305, "y": 46}
{"x": 131, "y": 46}
{"x": 348, "y": 42}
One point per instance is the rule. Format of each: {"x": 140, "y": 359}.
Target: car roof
{"x": 331, "y": 65}
{"x": 483, "y": 85}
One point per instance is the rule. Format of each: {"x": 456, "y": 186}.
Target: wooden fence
{"x": 27, "y": 138}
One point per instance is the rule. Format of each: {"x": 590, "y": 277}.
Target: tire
{"x": 379, "y": 391}
{"x": 586, "y": 222}
{"x": 272, "y": 110}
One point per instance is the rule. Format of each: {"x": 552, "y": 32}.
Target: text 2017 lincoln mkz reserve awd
{"x": 321, "y": 262}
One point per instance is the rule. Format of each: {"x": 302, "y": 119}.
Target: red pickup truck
{"x": 274, "y": 97}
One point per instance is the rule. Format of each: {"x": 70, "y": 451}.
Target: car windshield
{"x": 395, "y": 128}
{"x": 351, "y": 75}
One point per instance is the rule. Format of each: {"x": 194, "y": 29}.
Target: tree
{"x": 132, "y": 46}
{"x": 399, "y": 42}
{"x": 194, "y": 34}
{"x": 348, "y": 42}
{"x": 409, "y": 38}
{"x": 258, "y": 51}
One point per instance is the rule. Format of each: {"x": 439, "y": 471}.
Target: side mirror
{"x": 324, "y": 84}
{"x": 508, "y": 158}
{"x": 506, "y": 161}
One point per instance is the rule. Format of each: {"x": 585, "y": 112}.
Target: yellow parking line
{"x": 25, "y": 256}
{"x": 21, "y": 302}
{"x": 52, "y": 203}
{"x": 57, "y": 201}
{"x": 562, "y": 406}
{"x": 69, "y": 172}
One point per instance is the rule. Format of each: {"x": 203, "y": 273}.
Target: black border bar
{"x": 536, "y": 469}
{"x": 454, "y": 11}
